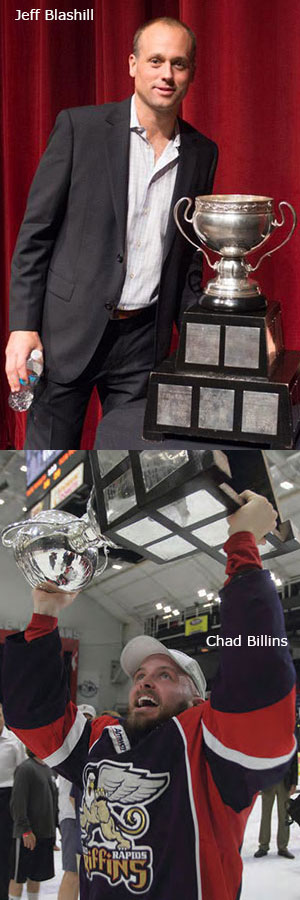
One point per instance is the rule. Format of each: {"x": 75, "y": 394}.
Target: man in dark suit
{"x": 99, "y": 270}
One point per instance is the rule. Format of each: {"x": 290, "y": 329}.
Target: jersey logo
{"x": 113, "y": 814}
{"x": 119, "y": 738}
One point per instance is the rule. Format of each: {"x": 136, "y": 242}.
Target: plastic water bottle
{"x": 22, "y": 399}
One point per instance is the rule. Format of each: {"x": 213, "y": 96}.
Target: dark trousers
{"x": 6, "y": 827}
{"x": 120, "y": 370}
{"x": 267, "y": 798}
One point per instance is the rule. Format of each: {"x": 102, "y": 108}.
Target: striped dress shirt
{"x": 150, "y": 190}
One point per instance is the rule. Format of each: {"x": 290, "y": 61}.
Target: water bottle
{"x": 22, "y": 399}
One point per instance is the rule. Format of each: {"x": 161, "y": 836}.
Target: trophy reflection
{"x": 231, "y": 379}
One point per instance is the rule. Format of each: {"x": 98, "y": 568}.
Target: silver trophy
{"x": 233, "y": 225}
{"x": 57, "y": 551}
{"x": 231, "y": 378}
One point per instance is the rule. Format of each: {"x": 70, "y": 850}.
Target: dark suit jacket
{"x": 68, "y": 263}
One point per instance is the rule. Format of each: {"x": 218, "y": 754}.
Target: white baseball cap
{"x": 139, "y": 648}
{"x": 87, "y": 710}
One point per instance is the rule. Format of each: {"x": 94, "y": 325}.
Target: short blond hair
{"x": 174, "y": 23}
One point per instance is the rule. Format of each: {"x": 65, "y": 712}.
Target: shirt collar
{"x": 135, "y": 125}
{"x": 5, "y": 733}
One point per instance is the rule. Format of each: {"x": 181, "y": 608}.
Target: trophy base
{"x": 247, "y": 304}
{"x": 242, "y": 409}
{"x": 230, "y": 343}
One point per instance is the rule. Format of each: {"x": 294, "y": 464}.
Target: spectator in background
{"x": 69, "y": 886}
{"x": 88, "y": 711}
{"x": 34, "y": 812}
{"x": 12, "y": 753}
{"x": 282, "y": 791}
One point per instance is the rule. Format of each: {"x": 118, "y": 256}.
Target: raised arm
{"x": 248, "y": 725}
{"x": 36, "y": 697}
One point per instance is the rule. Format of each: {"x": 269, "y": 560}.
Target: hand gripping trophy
{"x": 232, "y": 378}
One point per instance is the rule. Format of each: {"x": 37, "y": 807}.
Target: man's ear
{"x": 197, "y": 700}
{"x": 132, "y": 65}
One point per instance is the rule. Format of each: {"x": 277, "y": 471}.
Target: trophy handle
{"x": 9, "y": 533}
{"x": 91, "y": 518}
{"x": 10, "y": 529}
{"x": 277, "y": 225}
{"x": 101, "y": 565}
{"x": 90, "y": 527}
{"x": 89, "y": 534}
{"x": 200, "y": 249}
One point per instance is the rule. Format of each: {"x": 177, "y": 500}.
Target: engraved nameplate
{"x": 260, "y": 412}
{"x": 216, "y": 409}
{"x": 202, "y": 343}
{"x": 174, "y": 404}
{"x": 242, "y": 346}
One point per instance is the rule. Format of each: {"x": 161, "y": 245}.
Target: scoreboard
{"x": 54, "y": 477}
{"x": 37, "y": 461}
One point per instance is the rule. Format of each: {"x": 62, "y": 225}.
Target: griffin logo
{"x": 113, "y": 814}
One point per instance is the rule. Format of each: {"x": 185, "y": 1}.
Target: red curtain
{"x": 245, "y": 96}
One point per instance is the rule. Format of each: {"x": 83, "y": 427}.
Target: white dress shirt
{"x": 66, "y": 809}
{"x": 150, "y": 191}
{"x": 12, "y": 753}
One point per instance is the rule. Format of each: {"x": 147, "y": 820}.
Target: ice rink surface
{"x": 269, "y": 878}
{"x": 272, "y": 877}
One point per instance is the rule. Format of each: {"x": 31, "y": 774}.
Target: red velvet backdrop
{"x": 245, "y": 96}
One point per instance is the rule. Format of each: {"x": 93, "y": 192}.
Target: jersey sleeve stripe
{"x": 243, "y": 759}
{"x": 59, "y": 738}
{"x": 74, "y": 735}
{"x": 257, "y": 731}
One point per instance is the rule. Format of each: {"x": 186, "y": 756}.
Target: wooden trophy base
{"x": 230, "y": 380}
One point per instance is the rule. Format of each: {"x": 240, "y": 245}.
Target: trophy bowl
{"x": 233, "y": 225}
{"x": 55, "y": 550}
